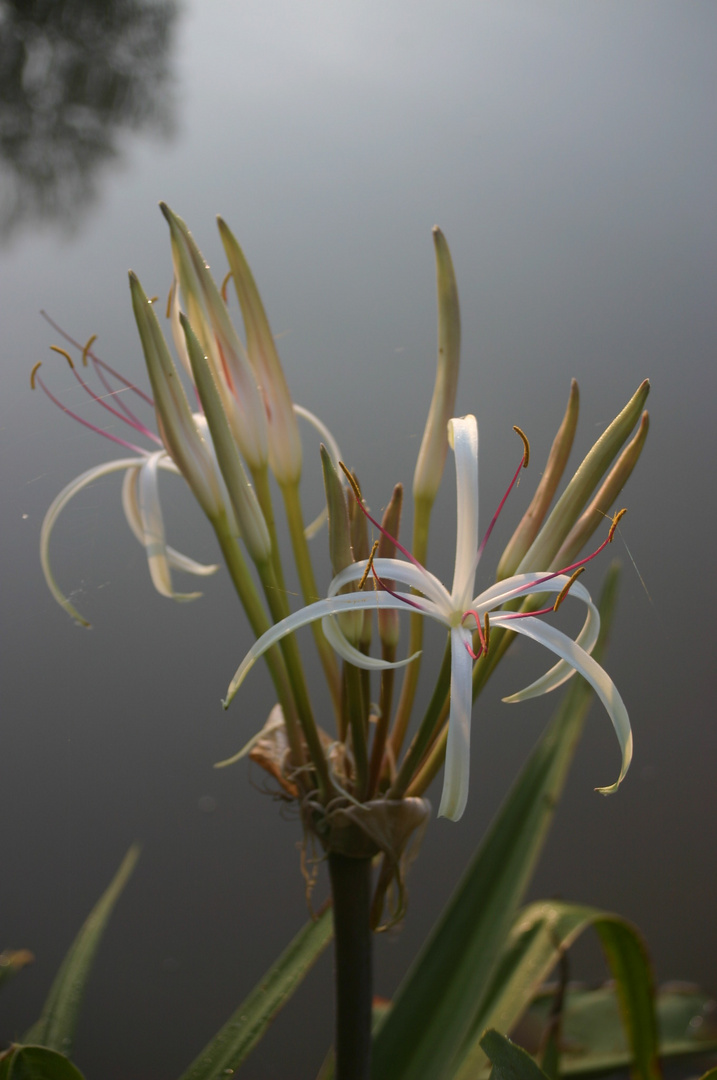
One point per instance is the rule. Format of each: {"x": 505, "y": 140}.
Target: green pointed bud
{"x": 250, "y": 519}
{"x": 542, "y": 552}
{"x": 611, "y": 487}
{"x": 208, "y": 315}
{"x": 388, "y": 618}
{"x": 358, "y": 526}
{"x": 340, "y": 552}
{"x": 434, "y": 447}
{"x": 180, "y": 433}
{"x": 534, "y": 516}
{"x": 284, "y": 439}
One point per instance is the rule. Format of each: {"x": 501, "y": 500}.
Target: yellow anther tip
{"x": 63, "y": 352}
{"x": 352, "y": 481}
{"x": 526, "y": 445}
{"x": 369, "y": 564}
{"x": 87, "y": 348}
{"x": 33, "y": 373}
{"x": 615, "y": 522}
{"x": 567, "y": 587}
{"x": 227, "y": 276}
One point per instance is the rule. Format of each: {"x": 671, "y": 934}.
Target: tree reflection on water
{"x": 73, "y": 75}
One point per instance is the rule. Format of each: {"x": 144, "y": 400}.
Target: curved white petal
{"x": 600, "y": 681}
{"x": 457, "y": 767}
{"x": 562, "y": 671}
{"x": 130, "y": 505}
{"x": 347, "y": 651}
{"x": 332, "y": 605}
{"x": 55, "y": 509}
{"x": 521, "y": 585}
{"x": 335, "y": 454}
{"x": 416, "y": 577}
{"x": 463, "y": 437}
{"x": 152, "y": 522}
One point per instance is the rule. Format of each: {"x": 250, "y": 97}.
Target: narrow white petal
{"x": 562, "y": 671}
{"x": 55, "y": 509}
{"x": 600, "y": 681}
{"x": 150, "y": 512}
{"x": 354, "y": 656}
{"x": 334, "y": 452}
{"x": 332, "y": 605}
{"x": 457, "y": 767}
{"x": 522, "y": 585}
{"x": 463, "y": 437}
{"x": 404, "y": 572}
{"x": 130, "y": 505}
{"x": 329, "y": 441}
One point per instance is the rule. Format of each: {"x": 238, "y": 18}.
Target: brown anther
{"x": 615, "y": 523}
{"x": 223, "y": 289}
{"x": 567, "y": 587}
{"x": 369, "y": 564}
{"x": 152, "y": 299}
{"x": 486, "y": 632}
{"x": 33, "y": 373}
{"x": 352, "y": 481}
{"x": 87, "y": 348}
{"x": 68, "y": 358}
{"x": 526, "y": 445}
{"x": 170, "y": 298}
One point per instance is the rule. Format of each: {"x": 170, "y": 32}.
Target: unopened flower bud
{"x": 569, "y": 506}
{"x": 207, "y": 313}
{"x": 250, "y": 518}
{"x": 534, "y": 516}
{"x": 434, "y": 447}
{"x": 284, "y": 439}
{"x": 176, "y": 424}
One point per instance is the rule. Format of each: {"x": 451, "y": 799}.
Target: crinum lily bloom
{"x": 462, "y": 613}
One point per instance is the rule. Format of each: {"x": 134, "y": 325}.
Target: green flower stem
{"x": 276, "y": 599}
{"x": 351, "y": 893}
{"x": 356, "y": 710}
{"x": 378, "y": 747}
{"x": 421, "y": 520}
{"x": 263, "y": 494}
{"x": 426, "y": 731}
{"x": 251, "y": 602}
{"x": 295, "y": 518}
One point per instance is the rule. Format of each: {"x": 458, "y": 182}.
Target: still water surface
{"x": 568, "y": 152}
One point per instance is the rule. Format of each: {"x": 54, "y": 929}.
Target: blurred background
{"x": 568, "y": 152}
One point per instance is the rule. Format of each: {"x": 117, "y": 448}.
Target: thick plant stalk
{"x": 351, "y": 891}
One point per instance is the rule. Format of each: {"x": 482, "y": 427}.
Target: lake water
{"x": 568, "y": 152}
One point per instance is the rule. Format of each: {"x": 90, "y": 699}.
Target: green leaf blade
{"x": 238, "y": 1037}
{"x": 56, "y": 1027}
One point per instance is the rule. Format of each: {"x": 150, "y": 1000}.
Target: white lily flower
{"x": 462, "y": 612}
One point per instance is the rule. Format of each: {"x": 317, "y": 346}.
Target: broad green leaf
{"x": 594, "y": 1039}
{"x": 231, "y": 1045}
{"x": 56, "y": 1027}
{"x": 446, "y": 987}
{"x": 510, "y": 1062}
{"x": 12, "y": 961}
{"x": 542, "y": 932}
{"x": 36, "y": 1063}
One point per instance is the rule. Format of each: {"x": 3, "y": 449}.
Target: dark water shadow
{"x": 74, "y": 76}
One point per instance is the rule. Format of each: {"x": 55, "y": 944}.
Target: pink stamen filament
{"x": 496, "y": 515}
{"x": 132, "y": 421}
{"x": 395, "y": 595}
{"x": 384, "y": 532}
{"x": 97, "y": 362}
{"x": 93, "y": 427}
